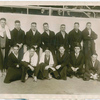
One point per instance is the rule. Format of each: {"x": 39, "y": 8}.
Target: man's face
{"x": 46, "y": 27}
{"x": 61, "y": 50}
{"x": 76, "y": 26}
{"x": 42, "y": 10}
{"x": 31, "y": 51}
{"x": 62, "y": 28}
{"x": 47, "y": 52}
{"x": 94, "y": 57}
{"x": 3, "y": 23}
{"x": 88, "y": 26}
{"x": 34, "y": 27}
{"x": 17, "y": 26}
{"x": 16, "y": 49}
{"x": 77, "y": 49}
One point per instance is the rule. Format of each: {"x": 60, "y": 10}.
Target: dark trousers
{"x": 62, "y": 71}
{"x": 42, "y": 73}
{"x": 26, "y": 69}
{"x": 87, "y": 75}
{"x": 79, "y": 72}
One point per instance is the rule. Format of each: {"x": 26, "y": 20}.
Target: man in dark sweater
{"x": 88, "y": 36}
{"x": 62, "y": 38}
{"x": 75, "y": 36}
{"x": 33, "y": 37}
{"x": 48, "y": 39}
{"x": 18, "y": 37}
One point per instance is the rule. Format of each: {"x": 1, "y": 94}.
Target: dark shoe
{"x": 71, "y": 76}
{"x": 23, "y": 81}
{"x": 58, "y": 77}
{"x": 77, "y": 76}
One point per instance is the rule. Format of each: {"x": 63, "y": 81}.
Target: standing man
{"x": 75, "y": 36}
{"x": 33, "y": 37}
{"x": 88, "y": 36}
{"x": 18, "y": 37}
{"x": 62, "y": 38}
{"x": 48, "y": 39}
{"x": 4, "y": 44}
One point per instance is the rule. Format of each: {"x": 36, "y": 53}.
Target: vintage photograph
{"x": 49, "y": 49}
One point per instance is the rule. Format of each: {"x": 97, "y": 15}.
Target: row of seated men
{"x": 47, "y": 39}
{"x": 60, "y": 66}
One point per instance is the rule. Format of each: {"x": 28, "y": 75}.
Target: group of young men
{"x": 63, "y": 55}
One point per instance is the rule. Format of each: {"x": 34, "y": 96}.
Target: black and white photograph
{"x": 50, "y": 48}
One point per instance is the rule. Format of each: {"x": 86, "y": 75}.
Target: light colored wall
{"x": 54, "y": 23}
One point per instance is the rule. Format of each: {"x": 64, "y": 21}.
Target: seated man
{"x": 14, "y": 71}
{"x": 29, "y": 64}
{"x": 62, "y": 61}
{"x": 76, "y": 62}
{"x": 92, "y": 69}
{"x": 46, "y": 66}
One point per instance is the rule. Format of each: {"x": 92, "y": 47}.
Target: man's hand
{"x": 53, "y": 68}
{"x": 35, "y": 46}
{"x": 17, "y": 66}
{"x": 47, "y": 67}
{"x": 57, "y": 67}
{"x": 31, "y": 67}
{"x": 95, "y": 76}
{"x": 76, "y": 69}
{"x": 73, "y": 68}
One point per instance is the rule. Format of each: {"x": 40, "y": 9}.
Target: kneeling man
{"x": 14, "y": 71}
{"x": 29, "y": 64}
{"x": 92, "y": 69}
{"x": 76, "y": 62}
{"x": 46, "y": 66}
{"x": 62, "y": 62}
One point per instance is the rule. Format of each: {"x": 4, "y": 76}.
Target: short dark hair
{"x": 63, "y": 25}
{"x": 45, "y": 24}
{"x": 17, "y": 21}
{"x": 88, "y": 23}
{"x": 16, "y": 46}
{"x": 3, "y": 19}
{"x": 32, "y": 47}
{"x": 94, "y": 54}
{"x": 76, "y": 23}
{"x": 62, "y": 46}
{"x": 77, "y": 45}
{"x": 34, "y": 23}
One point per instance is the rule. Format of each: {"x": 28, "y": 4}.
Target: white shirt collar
{"x": 77, "y": 54}
{"x": 15, "y": 54}
{"x": 34, "y": 32}
{"x": 48, "y": 32}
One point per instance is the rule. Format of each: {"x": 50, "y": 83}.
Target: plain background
{"x": 54, "y": 23}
